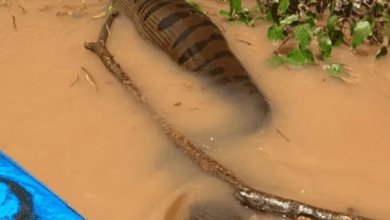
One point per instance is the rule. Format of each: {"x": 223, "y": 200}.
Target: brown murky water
{"x": 99, "y": 152}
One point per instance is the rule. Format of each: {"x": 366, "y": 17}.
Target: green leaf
{"x": 283, "y": 5}
{"x": 269, "y": 16}
{"x": 289, "y": 19}
{"x": 225, "y": 14}
{"x": 310, "y": 20}
{"x": 381, "y": 52}
{"x": 255, "y": 14}
{"x": 352, "y": 25}
{"x": 235, "y": 6}
{"x": 244, "y": 19}
{"x": 386, "y": 18}
{"x": 196, "y": 6}
{"x": 337, "y": 37}
{"x": 362, "y": 30}
{"x": 274, "y": 61}
{"x": 336, "y": 69}
{"x": 276, "y": 32}
{"x": 272, "y": 13}
{"x": 260, "y": 6}
{"x": 332, "y": 22}
{"x": 325, "y": 45}
{"x": 303, "y": 35}
{"x": 110, "y": 7}
{"x": 371, "y": 19}
{"x": 377, "y": 8}
{"x": 311, "y": 14}
{"x": 299, "y": 57}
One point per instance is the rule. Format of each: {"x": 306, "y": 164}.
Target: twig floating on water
{"x": 283, "y": 135}
{"x": 108, "y": 30}
{"x": 89, "y": 77}
{"x": 77, "y": 79}
{"x": 22, "y": 8}
{"x": 244, "y": 41}
{"x": 285, "y": 41}
{"x": 13, "y": 18}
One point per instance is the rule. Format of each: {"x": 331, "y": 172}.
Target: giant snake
{"x": 192, "y": 40}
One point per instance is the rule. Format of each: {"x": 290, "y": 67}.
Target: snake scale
{"x": 194, "y": 42}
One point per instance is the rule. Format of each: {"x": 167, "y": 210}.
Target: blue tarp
{"x": 23, "y": 197}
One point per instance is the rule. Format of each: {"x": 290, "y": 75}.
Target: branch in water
{"x": 269, "y": 204}
{"x": 261, "y": 202}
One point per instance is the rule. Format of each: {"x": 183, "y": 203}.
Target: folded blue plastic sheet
{"x": 23, "y": 197}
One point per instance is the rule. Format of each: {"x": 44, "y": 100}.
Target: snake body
{"x": 257, "y": 200}
{"x": 193, "y": 41}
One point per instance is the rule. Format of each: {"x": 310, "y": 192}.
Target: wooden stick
{"x": 288, "y": 140}
{"x": 13, "y": 18}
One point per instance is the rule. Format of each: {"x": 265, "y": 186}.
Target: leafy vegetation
{"x": 196, "y": 6}
{"x": 239, "y": 13}
{"x": 107, "y": 10}
{"x": 363, "y": 21}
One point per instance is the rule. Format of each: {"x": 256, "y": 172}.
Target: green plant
{"x": 295, "y": 19}
{"x": 237, "y": 13}
{"x": 107, "y": 10}
{"x": 196, "y": 6}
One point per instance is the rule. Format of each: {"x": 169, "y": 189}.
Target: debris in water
{"x": 90, "y": 78}
{"x": 75, "y": 12}
{"x": 22, "y": 8}
{"x": 188, "y": 84}
{"x": 77, "y": 79}
{"x": 13, "y": 18}
{"x": 47, "y": 7}
{"x": 177, "y": 104}
{"x": 283, "y": 135}
{"x": 100, "y": 15}
{"x": 108, "y": 30}
{"x": 244, "y": 41}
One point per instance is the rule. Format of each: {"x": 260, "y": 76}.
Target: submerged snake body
{"x": 193, "y": 41}
{"x": 259, "y": 201}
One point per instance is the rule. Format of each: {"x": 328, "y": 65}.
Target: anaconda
{"x": 193, "y": 41}
{"x": 257, "y": 200}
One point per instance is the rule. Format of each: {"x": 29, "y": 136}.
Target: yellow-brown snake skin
{"x": 193, "y": 41}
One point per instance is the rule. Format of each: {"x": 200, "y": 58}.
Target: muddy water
{"x": 99, "y": 151}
